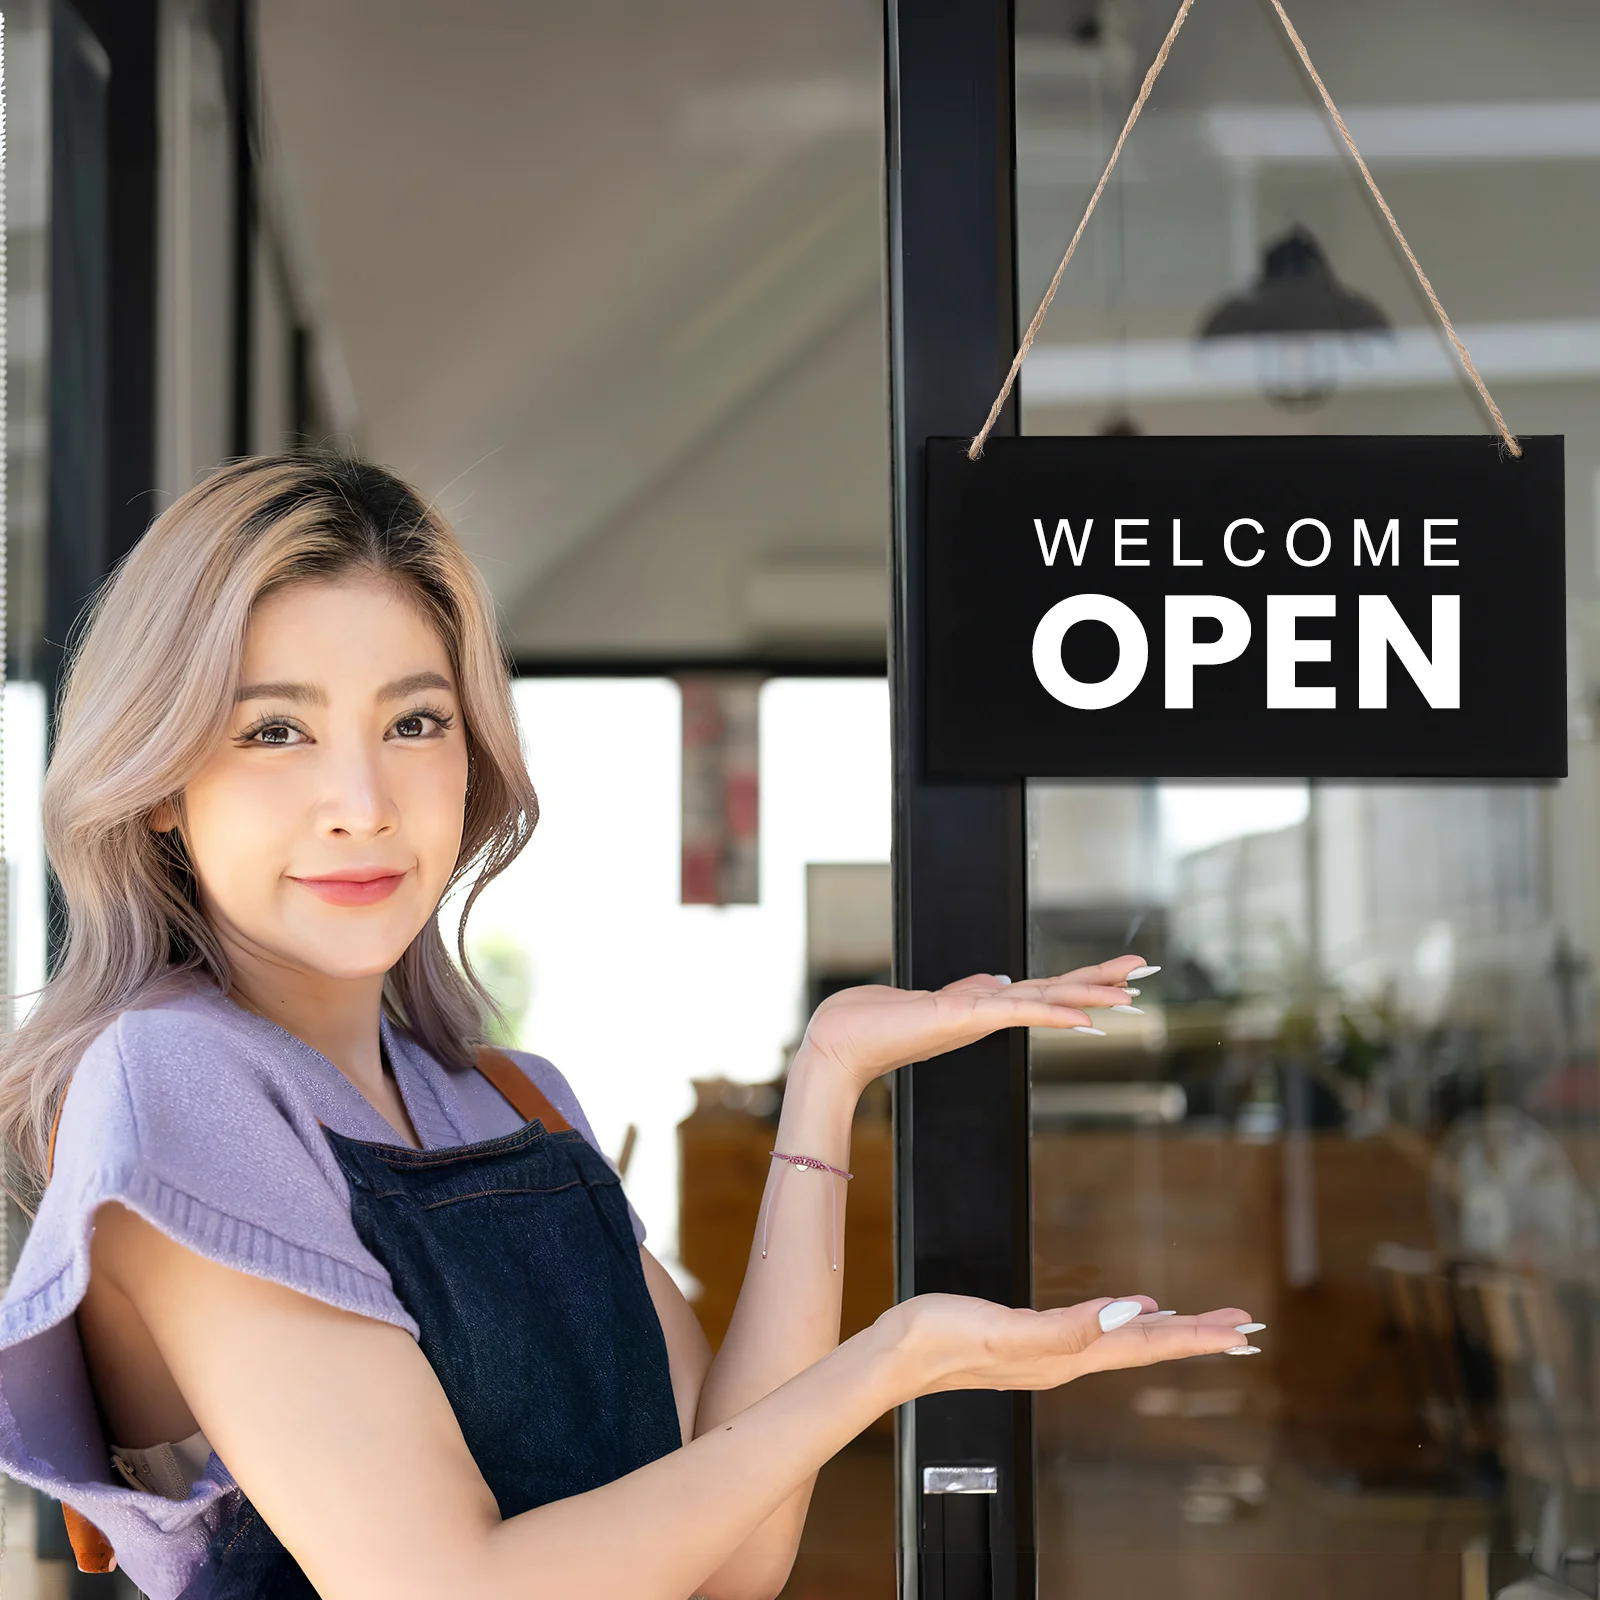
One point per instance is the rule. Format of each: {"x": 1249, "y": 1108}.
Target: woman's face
{"x": 328, "y": 820}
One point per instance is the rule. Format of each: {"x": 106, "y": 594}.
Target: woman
{"x": 320, "y": 1298}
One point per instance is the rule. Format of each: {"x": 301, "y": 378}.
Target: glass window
{"x": 1363, "y": 1099}
{"x": 594, "y": 903}
{"x": 24, "y": 749}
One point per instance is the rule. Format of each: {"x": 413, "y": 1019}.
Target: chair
{"x": 1447, "y": 1367}
{"x": 1538, "y": 1328}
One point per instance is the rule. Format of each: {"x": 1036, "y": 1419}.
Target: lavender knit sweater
{"x": 203, "y": 1118}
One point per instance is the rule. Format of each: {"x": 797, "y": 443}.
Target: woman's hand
{"x": 335, "y": 1399}
{"x": 952, "y": 1342}
{"x": 874, "y": 1029}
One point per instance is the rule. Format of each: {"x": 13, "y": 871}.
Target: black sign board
{"x": 1340, "y": 607}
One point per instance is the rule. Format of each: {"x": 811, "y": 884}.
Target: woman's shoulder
{"x": 206, "y": 1130}
{"x": 196, "y": 1124}
{"x": 181, "y": 1021}
{"x": 547, "y": 1078}
{"x": 160, "y": 1076}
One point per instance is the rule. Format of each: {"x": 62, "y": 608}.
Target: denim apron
{"x": 517, "y": 1260}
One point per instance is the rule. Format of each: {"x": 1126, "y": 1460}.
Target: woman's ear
{"x": 164, "y": 818}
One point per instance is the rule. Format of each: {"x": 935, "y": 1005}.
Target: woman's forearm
{"x": 787, "y": 1314}
{"x": 661, "y": 1532}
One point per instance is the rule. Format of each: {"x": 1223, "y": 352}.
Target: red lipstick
{"x": 360, "y": 886}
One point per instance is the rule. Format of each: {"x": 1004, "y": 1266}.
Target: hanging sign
{"x": 1338, "y": 607}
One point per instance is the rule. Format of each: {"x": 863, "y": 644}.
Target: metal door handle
{"x": 961, "y": 1480}
{"x": 958, "y": 1537}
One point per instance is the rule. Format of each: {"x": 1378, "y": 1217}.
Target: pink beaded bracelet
{"x": 805, "y": 1164}
{"x": 811, "y": 1164}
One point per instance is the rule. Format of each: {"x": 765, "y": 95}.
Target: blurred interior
{"x": 1363, "y": 1097}
{"x": 606, "y": 281}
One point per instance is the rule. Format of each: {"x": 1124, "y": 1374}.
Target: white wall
{"x": 635, "y": 995}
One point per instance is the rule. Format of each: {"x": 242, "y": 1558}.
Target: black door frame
{"x": 127, "y": 30}
{"x": 962, "y": 1212}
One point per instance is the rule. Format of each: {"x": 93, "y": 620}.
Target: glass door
{"x": 1363, "y": 1098}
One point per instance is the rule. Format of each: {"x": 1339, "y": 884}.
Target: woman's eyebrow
{"x": 305, "y": 694}
{"x": 411, "y": 683}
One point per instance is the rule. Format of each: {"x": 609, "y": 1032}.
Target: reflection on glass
{"x": 598, "y": 893}
{"x": 1364, "y": 1098}
{"x": 1361, "y": 1102}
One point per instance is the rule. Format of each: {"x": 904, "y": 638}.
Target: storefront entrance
{"x": 1363, "y": 1095}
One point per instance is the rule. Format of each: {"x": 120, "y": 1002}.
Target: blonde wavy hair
{"x": 148, "y": 696}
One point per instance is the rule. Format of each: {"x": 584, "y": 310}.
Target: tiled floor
{"x": 1105, "y": 1525}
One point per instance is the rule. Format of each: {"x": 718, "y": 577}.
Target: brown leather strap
{"x": 526, "y": 1098}
{"x": 89, "y": 1545}
{"x": 55, "y": 1128}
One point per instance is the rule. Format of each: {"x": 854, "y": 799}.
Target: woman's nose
{"x": 357, "y": 802}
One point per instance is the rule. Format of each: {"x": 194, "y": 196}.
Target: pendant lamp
{"x": 1296, "y": 311}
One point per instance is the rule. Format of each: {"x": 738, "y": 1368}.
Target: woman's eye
{"x": 273, "y": 733}
{"x": 422, "y": 724}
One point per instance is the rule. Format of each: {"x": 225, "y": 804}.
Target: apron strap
{"x": 91, "y": 1547}
{"x": 526, "y": 1098}
{"x": 55, "y": 1128}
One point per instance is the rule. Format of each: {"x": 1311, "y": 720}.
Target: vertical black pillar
{"x": 102, "y": 289}
{"x": 80, "y": 283}
{"x": 237, "y": 22}
{"x": 126, "y": 31}
{"x": 962, "y": 1192}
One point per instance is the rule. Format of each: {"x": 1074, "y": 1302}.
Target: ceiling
{"x": 606, "y": 281}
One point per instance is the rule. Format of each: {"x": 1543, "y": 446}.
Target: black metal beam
{"x": 80, "y": 427}
{"x": 126, "y": 30}
{"x": 961, "y": 1122}
{"x": 102, "y": 289}
{"x": 672, "y": 666}
{"x": 237, "y": 17}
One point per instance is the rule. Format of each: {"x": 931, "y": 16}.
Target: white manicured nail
{"x": 1243, "y": 1350}
{"x": 1133, "y": 1011}
{"x": 1130, "y": 990}
{"x": 1119, "y": 1312}
{"x": 1000, "y": 977}
{"x": 1142, "y": 972}
{"x": 1163, "y": 1313}
{"x": 1250, "y": 1327}
{"x": 1098, "y": 1032}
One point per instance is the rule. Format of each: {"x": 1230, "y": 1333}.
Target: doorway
{"x": 1361, "y": 1098}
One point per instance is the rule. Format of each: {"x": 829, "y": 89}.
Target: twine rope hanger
{"x": 976, "y": 448}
